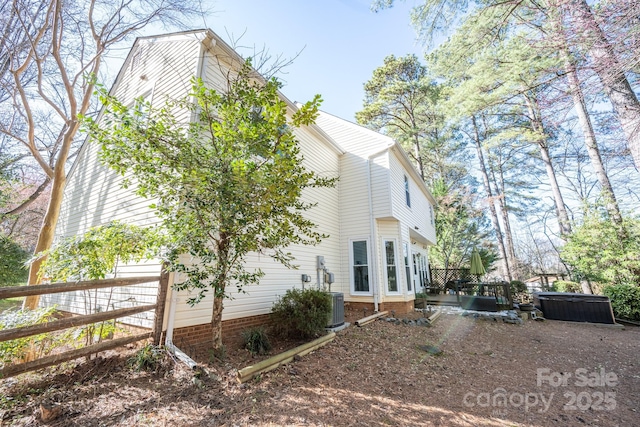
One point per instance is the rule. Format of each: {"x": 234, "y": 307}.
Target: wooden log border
{"x": 272, "y": 363}
{"x": 371, "y": 318}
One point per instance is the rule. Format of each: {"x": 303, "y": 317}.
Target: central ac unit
{"x": 336, "y": 318}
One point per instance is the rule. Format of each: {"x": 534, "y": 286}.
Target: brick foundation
{"x": 231, "y": 331}
{"x": 400, "y": 307}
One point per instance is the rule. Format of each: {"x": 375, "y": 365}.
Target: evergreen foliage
{"x": 302, "y": 313}
{"x": 625, "y": 301}
{"x": 597, "y": 250}
{"x": 12, "y": 262}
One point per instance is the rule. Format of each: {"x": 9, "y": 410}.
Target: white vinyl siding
{"x": 93, "y": 193}
{"x": 259, "y": 299}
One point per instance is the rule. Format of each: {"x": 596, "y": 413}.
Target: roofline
{"x": 394, "y": 145}
{"x": 413, "y": 171}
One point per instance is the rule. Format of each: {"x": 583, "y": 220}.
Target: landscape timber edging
{"x": 245, "y": 374}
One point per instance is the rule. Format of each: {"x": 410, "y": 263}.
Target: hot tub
{"x": 574, "y": 307}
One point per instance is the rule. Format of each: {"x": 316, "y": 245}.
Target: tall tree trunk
{"x": 503, "y": 208}
{"x": 416, "y": 153}
{"x": 584, "y": 119}
{"x": 538, "y": 127}
{"x": 47, "y": 232}
{"x": 492, "y": 207}
{"x": 611, "y": 203}
{"x": 606, "y": 65}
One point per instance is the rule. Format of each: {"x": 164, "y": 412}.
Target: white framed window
{"x": 359, "y": 260}
{"x": 390, "y": 266}
{"x": 407, "y": 265}
{"x": 407, "y": 195}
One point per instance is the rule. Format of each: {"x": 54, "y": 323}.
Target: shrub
{"x": 12, "y": 262}
{"x": 148, "y": 358}
{"x": 517, "y": 286}
{"x": 302, "y": 313}
{"x": 567, "y": 286}
{"x": 625, "y": 301}
{"x": 32, "y": 347}
{"x": 256, "y": 341}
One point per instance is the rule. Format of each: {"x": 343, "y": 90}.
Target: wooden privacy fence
{"x": 57, "y": 325}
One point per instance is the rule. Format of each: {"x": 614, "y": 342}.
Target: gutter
{"x": 168, "y": 340}
{"x": 372, "y": 231}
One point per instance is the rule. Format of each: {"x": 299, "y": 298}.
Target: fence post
{"x": 163, "y": 285}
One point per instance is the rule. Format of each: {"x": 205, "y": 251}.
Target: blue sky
{"x": 340, "y": 42}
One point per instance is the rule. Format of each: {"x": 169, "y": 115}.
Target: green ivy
{"x": 567, "y": 286}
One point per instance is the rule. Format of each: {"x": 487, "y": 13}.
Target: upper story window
{"x": 406, "y": 191}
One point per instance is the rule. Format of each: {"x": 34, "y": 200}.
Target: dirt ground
{"x": 488, "y": 374}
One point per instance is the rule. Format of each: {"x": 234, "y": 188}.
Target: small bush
{"x": 517, "y": 286}
{"x": 33, "y": 347}
{"x": 302, "y": 313}
{"x": 567, "y": 286}
{"x": 148, "y": 358}
{"x": 256, "y": 341}
{"x": 625, "y": 301}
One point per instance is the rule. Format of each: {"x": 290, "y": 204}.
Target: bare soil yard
{"x": 488, "y": 374}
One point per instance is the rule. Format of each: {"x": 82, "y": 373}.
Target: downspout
{"x": 205, "y": 44}
{"x": 168, "y": 340}
{"x": 373, "y": 234}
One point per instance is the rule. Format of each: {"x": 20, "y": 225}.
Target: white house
{"x": 379, "y": 216}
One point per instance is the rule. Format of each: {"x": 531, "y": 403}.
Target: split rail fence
{"x": 80, "y": 320}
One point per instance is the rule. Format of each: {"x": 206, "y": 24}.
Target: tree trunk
{"x": 538, "y": 127}
{"x": 492, "y": 207}
{"x": 609, "y": 70}
{"x": 508, "y": 235}
{"x": 586, "y": 287}
{"x": 416, "y": 151}
{"x": 216, "y": 322}
{"x": 590, "y": 142}
{"x": 47, "y": 232}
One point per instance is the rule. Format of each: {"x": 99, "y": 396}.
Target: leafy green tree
{"x": 12, "y": 262}
{"x": 402, "y": 100}
{"x": 597, "y": 253}
{"x": 459, "y": 227}
{"x": 98, "y": 252}
{"x": 226, "y": 185}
